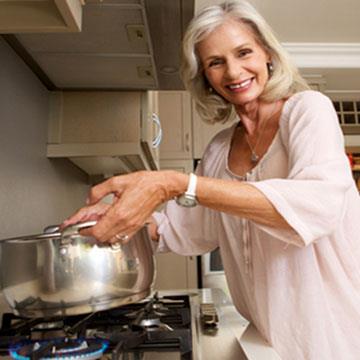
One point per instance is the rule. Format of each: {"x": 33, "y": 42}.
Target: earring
{"x": 270, "y": 68}
{"x": 210, "y": 89}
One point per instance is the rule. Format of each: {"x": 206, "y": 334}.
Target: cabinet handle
{"x": 187, "y": 143}
{"x": 158, "y": 137}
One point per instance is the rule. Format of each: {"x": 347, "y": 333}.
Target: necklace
{"x": 254, "y": 156}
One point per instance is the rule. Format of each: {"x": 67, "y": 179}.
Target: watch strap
{"x": 191, "y": 190}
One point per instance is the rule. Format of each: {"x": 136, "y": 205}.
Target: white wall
{"x": 34, "y": 191}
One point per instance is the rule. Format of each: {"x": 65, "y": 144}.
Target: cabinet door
{"x": 203, "y": 133}
{"x": 175, "y": 271}
{"x": 175, "y": 117}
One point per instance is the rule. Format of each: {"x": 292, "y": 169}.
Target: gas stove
{"x": 176, "y": 325}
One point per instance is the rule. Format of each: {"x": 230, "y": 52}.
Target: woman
{"x": 275, "y": 191}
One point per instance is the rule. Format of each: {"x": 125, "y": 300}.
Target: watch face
{"x": 186, "y": 200}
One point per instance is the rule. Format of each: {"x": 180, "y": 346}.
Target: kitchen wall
{"x": 34, "y": 191}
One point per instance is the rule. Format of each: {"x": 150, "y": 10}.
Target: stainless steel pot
{"x": 65, "y": 273}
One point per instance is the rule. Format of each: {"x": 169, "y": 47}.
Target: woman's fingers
{"x": 136, "y": 197}
{"x": 114, "y": 185}
{"x": 120, "y": 220}
{"x": 91, "y": 212}
{"x": 79, "y": 216}
{"x": 127, "y": 214}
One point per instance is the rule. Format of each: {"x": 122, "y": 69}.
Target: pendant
{"x": 254, "y": 158}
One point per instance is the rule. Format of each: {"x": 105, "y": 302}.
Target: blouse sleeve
{"x": 312, "y": 198}
{"x": 186, "y": 231}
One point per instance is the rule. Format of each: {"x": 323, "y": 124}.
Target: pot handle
{"x": 52, "y": 232}
{"x": 52, "y": 229}
{"x": 30, "y": 238}
{"x": 74, "y": 229}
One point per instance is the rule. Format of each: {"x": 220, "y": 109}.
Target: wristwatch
{"x": 188, "y": 199}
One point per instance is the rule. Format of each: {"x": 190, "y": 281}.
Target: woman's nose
{"x": 233, "y": 70}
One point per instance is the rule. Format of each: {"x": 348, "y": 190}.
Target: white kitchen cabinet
{"x": 175, "y": 115}
{"x": 19, "y": 16}
{"x": 185, "y": 134}
{"x": 104, "y": 132}
{"x": 185, "y": 166}
{"x": 203, "y": 133}
{"x": 175, "y": 112}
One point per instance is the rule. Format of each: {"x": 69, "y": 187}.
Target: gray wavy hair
{"x": 285, "y": 79}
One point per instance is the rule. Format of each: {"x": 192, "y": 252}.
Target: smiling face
{"x": 234, "y": 63}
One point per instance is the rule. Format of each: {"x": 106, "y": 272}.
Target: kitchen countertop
{"x": 235, "y": 338}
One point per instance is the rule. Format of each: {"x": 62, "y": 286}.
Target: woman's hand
{"x": 136, "y": 196}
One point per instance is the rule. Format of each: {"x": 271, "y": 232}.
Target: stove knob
{"x": 208, "y": 315}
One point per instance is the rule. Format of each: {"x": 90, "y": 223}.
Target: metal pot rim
{"x": 54, "y": 234}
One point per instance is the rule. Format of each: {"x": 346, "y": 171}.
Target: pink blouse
{"x": 301, "y": 288}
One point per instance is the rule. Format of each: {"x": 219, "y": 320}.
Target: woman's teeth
{"x": 241, "y": 85}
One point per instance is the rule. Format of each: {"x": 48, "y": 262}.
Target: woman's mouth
{"x": 241, "y": 85}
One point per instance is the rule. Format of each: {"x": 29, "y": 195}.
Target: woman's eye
{"x": 215, "y": 62}
{"x": 244, "y": 52}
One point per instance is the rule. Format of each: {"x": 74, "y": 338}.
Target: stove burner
{"x": 156, "y": 306}
{"x": 137, "y": 329}
{"x": 152, "y": 324}
{"x": 149, "y": 316}
{"x": 62, "y": 348}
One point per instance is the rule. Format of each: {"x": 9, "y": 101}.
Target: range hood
{"x": 122, "y": 45}
{"x": 105, "y": 133}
